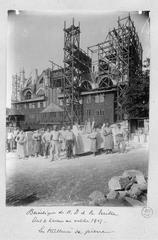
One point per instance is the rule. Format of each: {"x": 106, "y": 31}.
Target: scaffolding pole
{"x": 76, "y": 63}
{"x": 119, "y": 57}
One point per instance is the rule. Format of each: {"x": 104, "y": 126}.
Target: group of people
{"x": 53, "y": 142}
{"x": 44, "y": 142}
{"x": 108, "y": 139}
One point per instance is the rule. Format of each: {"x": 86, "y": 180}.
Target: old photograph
{"x": 77, "y": 113}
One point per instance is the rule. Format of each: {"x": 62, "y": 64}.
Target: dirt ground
{"x": 40, "y": 182}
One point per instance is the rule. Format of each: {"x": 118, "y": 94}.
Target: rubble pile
{"x": 130, "y": 187}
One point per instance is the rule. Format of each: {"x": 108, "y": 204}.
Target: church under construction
{"x": 91, "y": 85}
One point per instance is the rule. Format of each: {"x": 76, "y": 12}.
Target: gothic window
{"x": 85, "y": 86}
{"x": 28, "y": 95}
{"x": 105, "y": 83}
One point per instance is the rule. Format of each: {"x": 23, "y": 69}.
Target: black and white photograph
{"x": 77, "y": 108}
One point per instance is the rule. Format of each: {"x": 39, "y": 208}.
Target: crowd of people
{"x": 46, "y": 142}
{"x": 55, "y": 142}
{"x": 108, "y": 139}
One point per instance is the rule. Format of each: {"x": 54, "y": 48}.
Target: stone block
{"x": 114, "y": 183}
{"x": 138, "y": 175}
{"x": 122, "y": 194}
{"x": 112, "y": 195}
{"x": 135, "y": 191}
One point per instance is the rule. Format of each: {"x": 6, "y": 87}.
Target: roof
{"x": 98, "y": 91}
{"x": 93, "y": 91}
{"x": 50, "y": 123}
{"x": 52, "y": 107}
{"x": 30, "y": 100}
{"x": 12, "y": 112}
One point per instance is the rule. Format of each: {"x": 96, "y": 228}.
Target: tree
{"x": 137, "y": 104}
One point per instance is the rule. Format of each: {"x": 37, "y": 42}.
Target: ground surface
{"x": 37, "y": 181}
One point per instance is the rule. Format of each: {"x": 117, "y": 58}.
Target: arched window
{"x": 86, "y": 86}
{"x": 105, "y": 83}
{"x": 28, "y": 95}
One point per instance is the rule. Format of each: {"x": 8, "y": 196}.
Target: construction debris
{"x": 138, "y": 175}
{"x": 112, "y": 195}
{"x": 118, "y": 183}
{"x": 130, "y": 188}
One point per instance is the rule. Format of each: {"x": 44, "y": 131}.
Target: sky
{"x": 34, "y": 38}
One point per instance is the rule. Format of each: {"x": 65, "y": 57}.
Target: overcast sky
{"x": 36, "y": 37}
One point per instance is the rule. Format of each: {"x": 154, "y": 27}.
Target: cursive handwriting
{"x": 108, "y": 212}
{"x": 72, "y": 221}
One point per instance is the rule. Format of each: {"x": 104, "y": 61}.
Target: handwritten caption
{"x": 77, "y": 221}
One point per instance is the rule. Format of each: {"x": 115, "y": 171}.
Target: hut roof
{"x": 52, "y": 107}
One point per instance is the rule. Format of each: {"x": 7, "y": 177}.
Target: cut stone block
{"x": 135, "y": 173}
{"x": 114, "y": 183}
{"x": 112, "y": 195}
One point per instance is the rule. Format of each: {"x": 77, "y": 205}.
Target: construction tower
{"x": 119, "y": 60}
{"x": 76, "y": 63}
